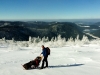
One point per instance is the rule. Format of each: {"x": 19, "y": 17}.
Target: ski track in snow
{"x": 69, "y": 60}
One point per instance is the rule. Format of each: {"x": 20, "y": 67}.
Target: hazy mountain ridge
{"x": 22, "y": 30}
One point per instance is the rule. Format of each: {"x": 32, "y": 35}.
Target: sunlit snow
{"x": 79, "y": 57}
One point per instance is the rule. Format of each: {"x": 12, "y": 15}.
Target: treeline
{"x": 22, "y": 30}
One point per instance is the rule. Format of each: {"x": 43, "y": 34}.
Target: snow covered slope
{"x": 68, "y": 60}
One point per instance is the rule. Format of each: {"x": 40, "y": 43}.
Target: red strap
{"x": 36, "y": 63}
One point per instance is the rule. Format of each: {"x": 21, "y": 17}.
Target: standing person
{"x": 45, "y": 55}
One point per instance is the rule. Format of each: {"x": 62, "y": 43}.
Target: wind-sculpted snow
{"x": 72, "y": 57}
{"x": 54, "y": 42}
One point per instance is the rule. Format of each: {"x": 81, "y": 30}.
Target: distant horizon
{"x": 58, "y": 20}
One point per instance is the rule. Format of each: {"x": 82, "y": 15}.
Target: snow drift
{"x": 72, "y": 57}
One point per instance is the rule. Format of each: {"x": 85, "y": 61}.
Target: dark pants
{"x": 45, "y": 60}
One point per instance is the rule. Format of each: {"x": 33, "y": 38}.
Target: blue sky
{"x": 49, "y": 9}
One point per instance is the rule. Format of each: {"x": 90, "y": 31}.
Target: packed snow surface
{"x": 67, "y": 60}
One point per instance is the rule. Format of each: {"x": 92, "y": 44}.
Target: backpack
{"x": 48, "y": 50}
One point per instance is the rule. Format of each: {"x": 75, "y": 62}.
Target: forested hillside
{"x": 22, "y": 30}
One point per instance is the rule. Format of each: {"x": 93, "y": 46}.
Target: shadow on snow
{"x": 71, "y": 65}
